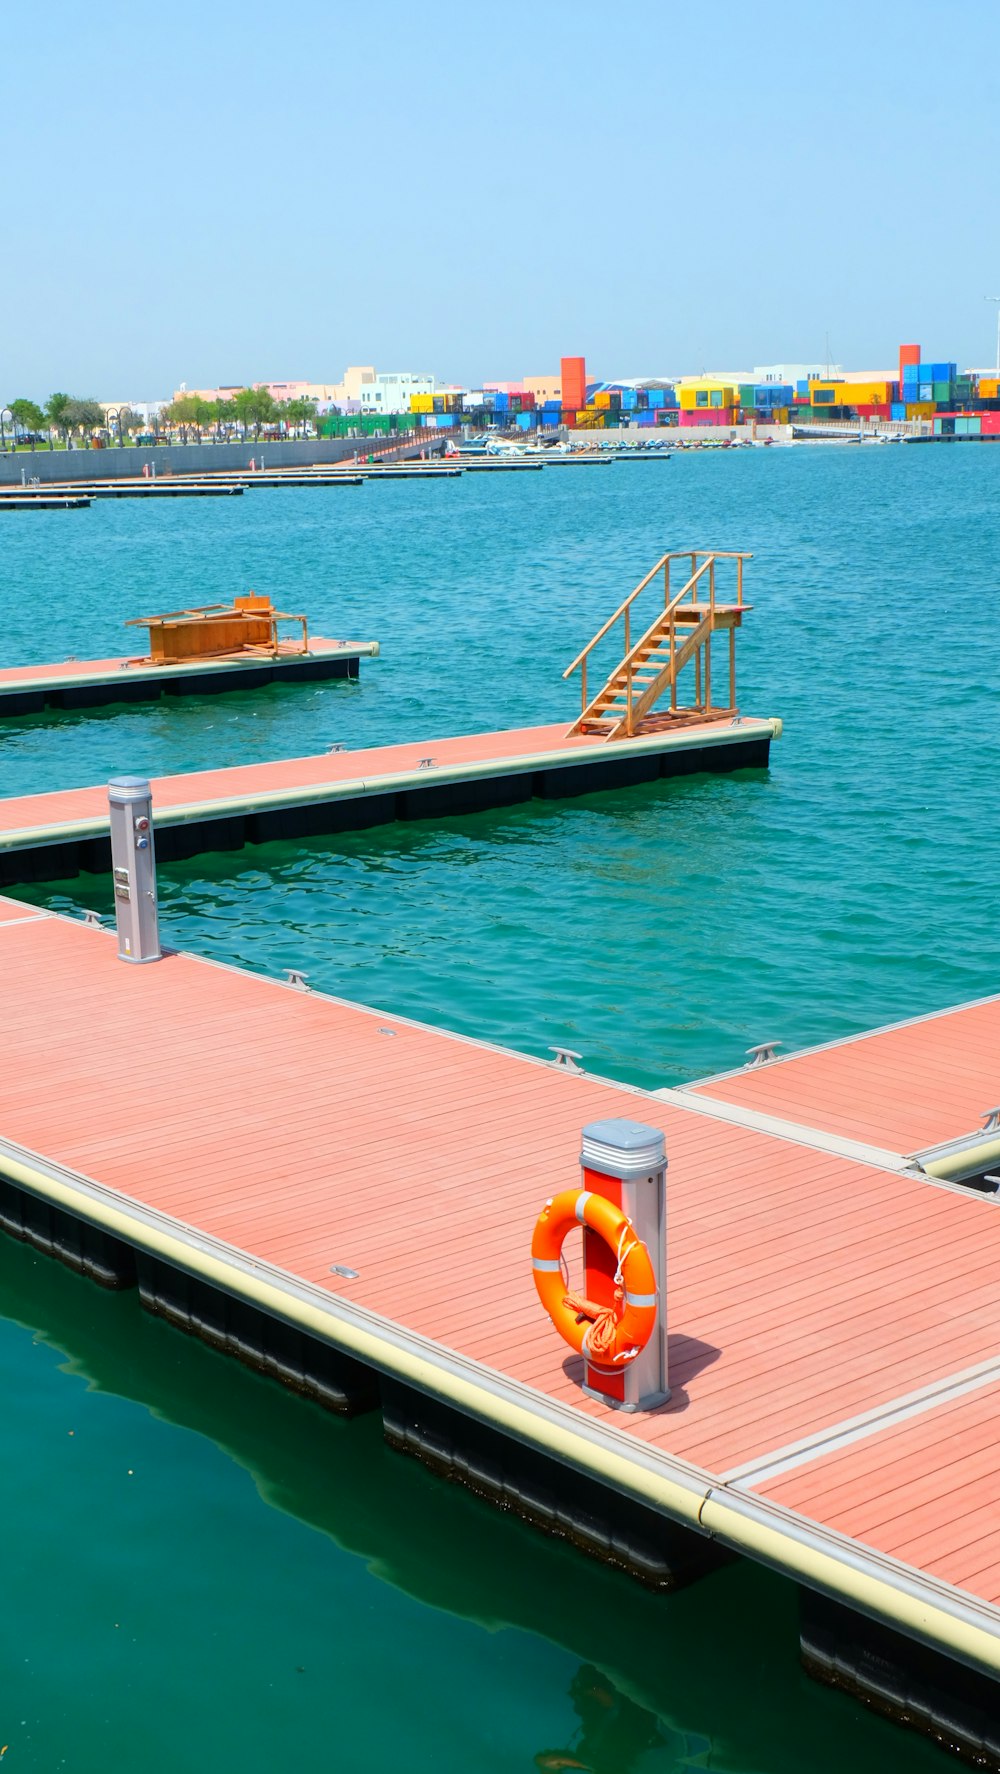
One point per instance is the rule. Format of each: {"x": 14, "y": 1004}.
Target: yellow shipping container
{"x": 989, "y": 387}
{"x": 699, "y": 394}
{"x": 603, "y": 399}
{"x": 829, "y": 394}
{"x": 421, "y": 403}
{"x": 921, "y": 409}
{"x": 865, "y": 394}
{"x": 779, "y": 415}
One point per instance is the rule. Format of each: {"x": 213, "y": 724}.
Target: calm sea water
{"x": 200, "y": 1572}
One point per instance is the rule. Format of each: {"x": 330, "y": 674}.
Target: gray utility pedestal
{"x": 626, "y": 1162}
{"x": 133, "y": 863}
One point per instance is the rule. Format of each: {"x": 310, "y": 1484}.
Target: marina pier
{"x": 833, "y": 1323}
{"x": 94, "y": 683}
{"x": 46, "y": 837}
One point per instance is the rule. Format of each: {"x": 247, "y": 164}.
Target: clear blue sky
{"x": 214, "y": 191}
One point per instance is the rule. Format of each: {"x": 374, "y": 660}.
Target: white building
{"x": 793, "y": 372}
{"x": 367, "y": 390}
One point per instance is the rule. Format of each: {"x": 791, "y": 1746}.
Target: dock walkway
{"x": 919, "y": 1094}
{"x": 92, "y": 683}
{"x": 834, "y": 1325}
{"x": 43, "y": 837}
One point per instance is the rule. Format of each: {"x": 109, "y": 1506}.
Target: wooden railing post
{"x": 673, "y": 667}
{"x": 666, "y": 582}
{"x": 708, "y": 671}
{"x": 739, "y": 579}
{"x": 628, "y": 699}
{"x": 583, "y": 685}
{"x": 711, "y": 585}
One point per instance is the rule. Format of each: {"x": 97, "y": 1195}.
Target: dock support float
{"x": 905, "y": 1681}
{"x": 609, "y": 1525}
{"x": 313, "y": 811}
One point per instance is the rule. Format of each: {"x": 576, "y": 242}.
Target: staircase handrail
{"x": 625, "y": 665}
{"x": 668, "y": 610}
{"x": 609, "y": 624}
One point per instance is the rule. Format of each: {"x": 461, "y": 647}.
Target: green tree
{"x": 28, "y": 415}
{"x": 300, "y": 411}
{"x": 225, "y": 414}
{"x": 182, "y": 411}
{"x": 55, "y": 412}
{"x": 84, "y": 415}
{"x": 255, "y": 406}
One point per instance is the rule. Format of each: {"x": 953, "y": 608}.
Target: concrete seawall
{"x": 73, "y": 465}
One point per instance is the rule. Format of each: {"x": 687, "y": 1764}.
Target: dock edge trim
{"x": 923, "y": 1608}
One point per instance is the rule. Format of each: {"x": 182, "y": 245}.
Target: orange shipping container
{"x": 573, "y": 382}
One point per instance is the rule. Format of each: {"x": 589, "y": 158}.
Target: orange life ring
{"x": 609, "y": 1337}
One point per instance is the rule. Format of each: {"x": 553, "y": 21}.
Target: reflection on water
{"x": 615, "y": 1733}
{"x": 346, "y": 1583}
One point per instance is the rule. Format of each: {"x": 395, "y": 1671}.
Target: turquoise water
{"x": 267, "y": 1587}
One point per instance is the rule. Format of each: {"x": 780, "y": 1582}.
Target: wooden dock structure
{"x": 49, "y": 836}
{"x": 908, "y": 1097}
{"x": 44, "y": 500}
{"x": 344, "y": 1198}
{"x": 94, "y": 683}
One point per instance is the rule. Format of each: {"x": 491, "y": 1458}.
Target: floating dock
{"x": 93, "y": 683}
{"x": 907, "y": 1097}
{"x": 345, "y": 1199}
{"x": 43, "y": 501}
{"x": 82, "y": 492}
{"x": 50, "y": 836}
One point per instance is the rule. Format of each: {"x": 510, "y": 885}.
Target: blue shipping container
{"x": 657, "y": 397}
{"x": 629, "y": 400}
{"x": 925, "y": 391}
{"x": 802, "y": 387}
{"x": 898, "y": 409}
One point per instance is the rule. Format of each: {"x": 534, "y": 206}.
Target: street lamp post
{"x": 5, "y": 413}
{"x": 111, "y": 415}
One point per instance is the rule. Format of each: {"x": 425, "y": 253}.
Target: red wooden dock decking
{"x": 805, "y": 1289}
{"x": 375, "y": 769}
{"x": 76, "y": 670}
{"x": 908, "y": 1089}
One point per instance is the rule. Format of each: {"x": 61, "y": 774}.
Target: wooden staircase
{"x": 679, "y": 636}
